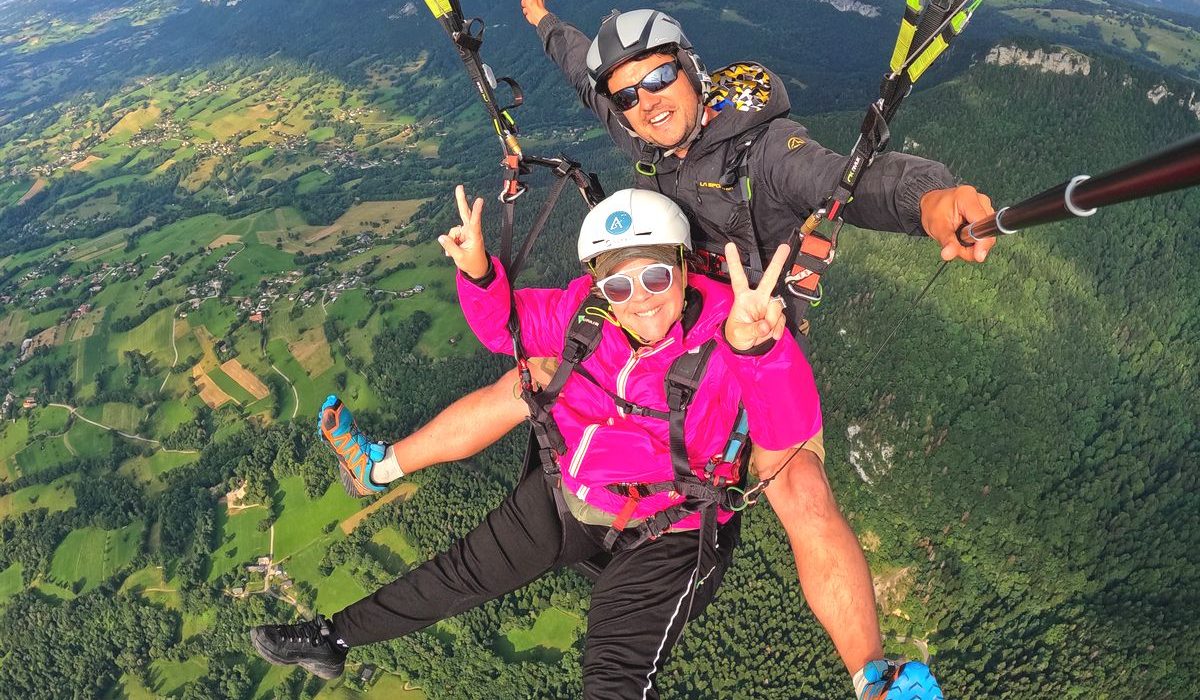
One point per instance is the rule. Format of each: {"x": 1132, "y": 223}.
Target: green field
{"x": 152, "y": 338}
{"x": 273, "y": 677}
{"x": 393, "y": 550}
{"x": 195, "y": 623}
{"x": 553, "y": 629}
{"x": 53, "y": 590}
{"x": 170, "y": 415}
{"x": 43, "y": 453}
{"x": 150, "y": 470}
{"x": 51, "y": 420}
{"x": 55, "y": 496}
{"x": 239, "y": 540}
{"x": 309, "y": 182}
{"x": 302, "y": 520}
{"x": 90, "y": 555}
{"x": 259, "y": 155}
{"x": 310, "y": 396}
{"x": 13, "y": 438}
{"x": 335, "y": 591}
{"x": 121, "y": 416}
{"x": 214, "y": 315}
{"x": 10, "y": 582}
{"x": 149, "y": 584}
{"x": 13, "y": 189}
{"x": 132, "y": 689}
{"x": 388, "y": 687}
{"x": 170, "y": 676}
{"x": 227, "y": 385}
{"x": 319, "y": 134}
{"x": 89, "y": 439}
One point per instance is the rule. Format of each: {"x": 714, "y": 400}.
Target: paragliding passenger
{"x": 644, "y": 333}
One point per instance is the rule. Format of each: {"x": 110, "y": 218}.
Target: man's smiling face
{"x": 662, "y": 118}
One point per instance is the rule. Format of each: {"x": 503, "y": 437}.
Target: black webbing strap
{"x": 737, "y": 174}
{"x": 506, "y": 240}
{"x": 683, "y": 378}
{"x": 682, "y": 381}
{"x": 582, "y": 338}
{"x": 652, "y": 527}
{"x": 625, "y": 405}
{"x": 518, "y": 263}
{"x": 692, "y": 487}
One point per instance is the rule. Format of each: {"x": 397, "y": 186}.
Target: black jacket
{"x": 791, "y": 174}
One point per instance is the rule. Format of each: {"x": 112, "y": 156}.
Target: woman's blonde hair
{"x": 605, "y": 263}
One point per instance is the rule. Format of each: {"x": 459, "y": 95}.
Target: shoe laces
{"x": 315, "y": 632}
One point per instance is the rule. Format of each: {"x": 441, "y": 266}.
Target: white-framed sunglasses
{"x": 655, "y": 278}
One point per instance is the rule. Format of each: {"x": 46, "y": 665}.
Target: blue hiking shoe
{"x": 356, "y": 455}
{"x": 887, "y": 680}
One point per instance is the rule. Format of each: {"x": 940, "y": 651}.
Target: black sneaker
{"x": 307, "y": 644}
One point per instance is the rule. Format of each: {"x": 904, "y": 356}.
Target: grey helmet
{"x": 624, "y": 35}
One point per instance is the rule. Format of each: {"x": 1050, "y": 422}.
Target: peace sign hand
{"x": 464, "y": 243}
{"x": 756, "y": 316}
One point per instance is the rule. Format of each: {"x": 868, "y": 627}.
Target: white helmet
{"x": 633, "y": 218}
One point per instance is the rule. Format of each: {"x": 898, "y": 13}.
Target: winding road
{"x": 295, "y": 394}
{"x": 75, "y": 412}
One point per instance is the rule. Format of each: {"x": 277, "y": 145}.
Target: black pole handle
{"x": 1171, "y": 169}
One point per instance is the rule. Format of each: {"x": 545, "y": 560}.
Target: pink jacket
{"x": 606, "y": 447}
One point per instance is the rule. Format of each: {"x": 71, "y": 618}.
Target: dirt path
{"x": 75, "y": 412}
{"x": 920, "y": 644}
{"x": 174, "y": 348}
{"x": 70, "y": 447}
{"x": 404, "y": 491}
{"x": 38, "y": 186}
{"x": 295, "y": 394}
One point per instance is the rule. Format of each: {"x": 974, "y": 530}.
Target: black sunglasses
{"x": 656, "y": 80}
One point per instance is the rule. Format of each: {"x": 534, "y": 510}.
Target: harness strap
{"x": 682, "y": 381}
{"x": 583, "y": 336}
{"x": 738, "y": 173}
{"x": 652, "y": 527}
{"x": 614, "y": 532}
{"x": 625, "y": 405}
{"x": 693, "y": 488}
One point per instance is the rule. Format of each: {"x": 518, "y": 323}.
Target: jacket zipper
{"x": 634, "y": 357}
{"x": 584, "y": 442}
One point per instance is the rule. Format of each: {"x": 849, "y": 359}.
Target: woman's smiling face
{"x": 649, "y": 316}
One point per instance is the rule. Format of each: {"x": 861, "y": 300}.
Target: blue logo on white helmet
{"x": 618, "y": 222}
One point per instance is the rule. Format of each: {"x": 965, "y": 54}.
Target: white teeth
{"x": 659, "y": 119}
{"x": 648, "y": 314}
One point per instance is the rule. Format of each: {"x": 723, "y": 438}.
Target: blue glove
{"x": 887, "y": 680}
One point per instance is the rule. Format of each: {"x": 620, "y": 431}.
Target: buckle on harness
{"x": 711, "y": 264}
{"x": 654, "y": 527}
{"x": 814, "y": 241}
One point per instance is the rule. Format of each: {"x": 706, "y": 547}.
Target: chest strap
{"x": 582, "y": 338}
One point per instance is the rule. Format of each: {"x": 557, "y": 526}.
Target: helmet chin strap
{"x": 691, "y": 136}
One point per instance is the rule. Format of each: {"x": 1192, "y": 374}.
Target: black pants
{"x": 639, "y": 601}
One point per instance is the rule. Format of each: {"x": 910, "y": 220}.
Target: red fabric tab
{"x": 626, "y": 511}
{"x": 816, "y": 246}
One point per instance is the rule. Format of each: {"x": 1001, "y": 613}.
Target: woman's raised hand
{"x": 464, "y": 243}
{"x": 757, "y": 315}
